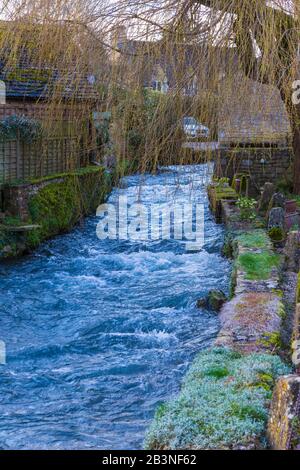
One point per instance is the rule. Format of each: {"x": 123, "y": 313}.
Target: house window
{"x": 163, "y": 87}
{"x": 160, "y": 80}
{"x": 2, "y": 92}
{"x": 156, "y": 85}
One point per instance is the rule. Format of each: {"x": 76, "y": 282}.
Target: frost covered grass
{"x": 254, "y": 239}
{"x": 223, "y": 403}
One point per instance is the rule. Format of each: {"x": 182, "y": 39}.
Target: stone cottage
{"x": 62, "y": 102}
{"x": 247, "y": 112}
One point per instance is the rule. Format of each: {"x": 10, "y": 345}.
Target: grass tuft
{"x": 258, "y": 266}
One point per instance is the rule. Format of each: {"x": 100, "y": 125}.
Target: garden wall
{"x": 261, "y": 164}
{"x": 47, "y": 207}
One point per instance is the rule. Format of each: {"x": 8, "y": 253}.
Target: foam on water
{"x": 98, "y": 333}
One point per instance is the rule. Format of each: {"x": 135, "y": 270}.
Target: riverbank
{"x": 41, "y": 209}
{"x": 226, "y": 396}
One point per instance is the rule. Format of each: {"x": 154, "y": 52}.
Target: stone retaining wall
{"x": 261, "y": 164}
{"x": 45, "y": 208}
{"x": 254, "y": 320}
{"x": 284, "y": 422}
{"x": 251, "y": 321}
{"x": 16, "y": 197}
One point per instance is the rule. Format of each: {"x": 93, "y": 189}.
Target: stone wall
{"x": 284, "y": 422}
{"x": 40, "y": 210}
{"x": 256, "y": 319}
{"x": 251, "y": 321}
{"x": 261, "y": 164}
{"x": 16, "y": 197}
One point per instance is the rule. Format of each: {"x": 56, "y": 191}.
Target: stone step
{"x": 251, "y": 322}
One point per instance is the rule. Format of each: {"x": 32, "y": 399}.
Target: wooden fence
{"x": 23, "y": 161}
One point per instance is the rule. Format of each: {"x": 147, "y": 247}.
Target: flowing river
{"x": 99, "y": 333}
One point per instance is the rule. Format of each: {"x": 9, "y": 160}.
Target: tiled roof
{"x": 32, "y": 83}
{"x": 29, "y": 78}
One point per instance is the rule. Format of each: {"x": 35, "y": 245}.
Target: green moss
{"x": 25, "y": 75}
{"x": 59, "y": 205}
{"x": 246, "y": 412}
{"x": 259, "y": 223}
{"x": 296, "y": 433}
{"x": 244, "y": 178}
{"x": 297, "y": 199}
{"x": 233, "y": 281}
{"x": 11, "y": 221}
{"x": 225, "y": 193}
{"x": 8, "y": 240}
{"x": 258, "y": 266}
{"x": 217, "y": 193}
{"x": 223, "y": 403}
{"x": 218, "y": 372}
{"x": 79, "y": 172}
{"x": 254, "y": 239}
{"x": 272, "y": 341}
{"x": 161, "y": 410}
{"x": 227, "y": 249}
{"x": 278, "y": 292}
{"x": 277, "y": 234}
{"x": 282, "y": 311}
{"x": 266, "y": 381}
{"x": 56, "y": 207}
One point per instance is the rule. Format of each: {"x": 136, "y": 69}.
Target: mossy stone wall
{"x": 54, "y": 204}
{"x": 261, "y": 164}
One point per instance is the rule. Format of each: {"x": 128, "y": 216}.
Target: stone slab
{"x": 251, "y": 322}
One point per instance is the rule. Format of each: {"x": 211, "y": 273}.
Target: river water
{"x": 98, "y": 333}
